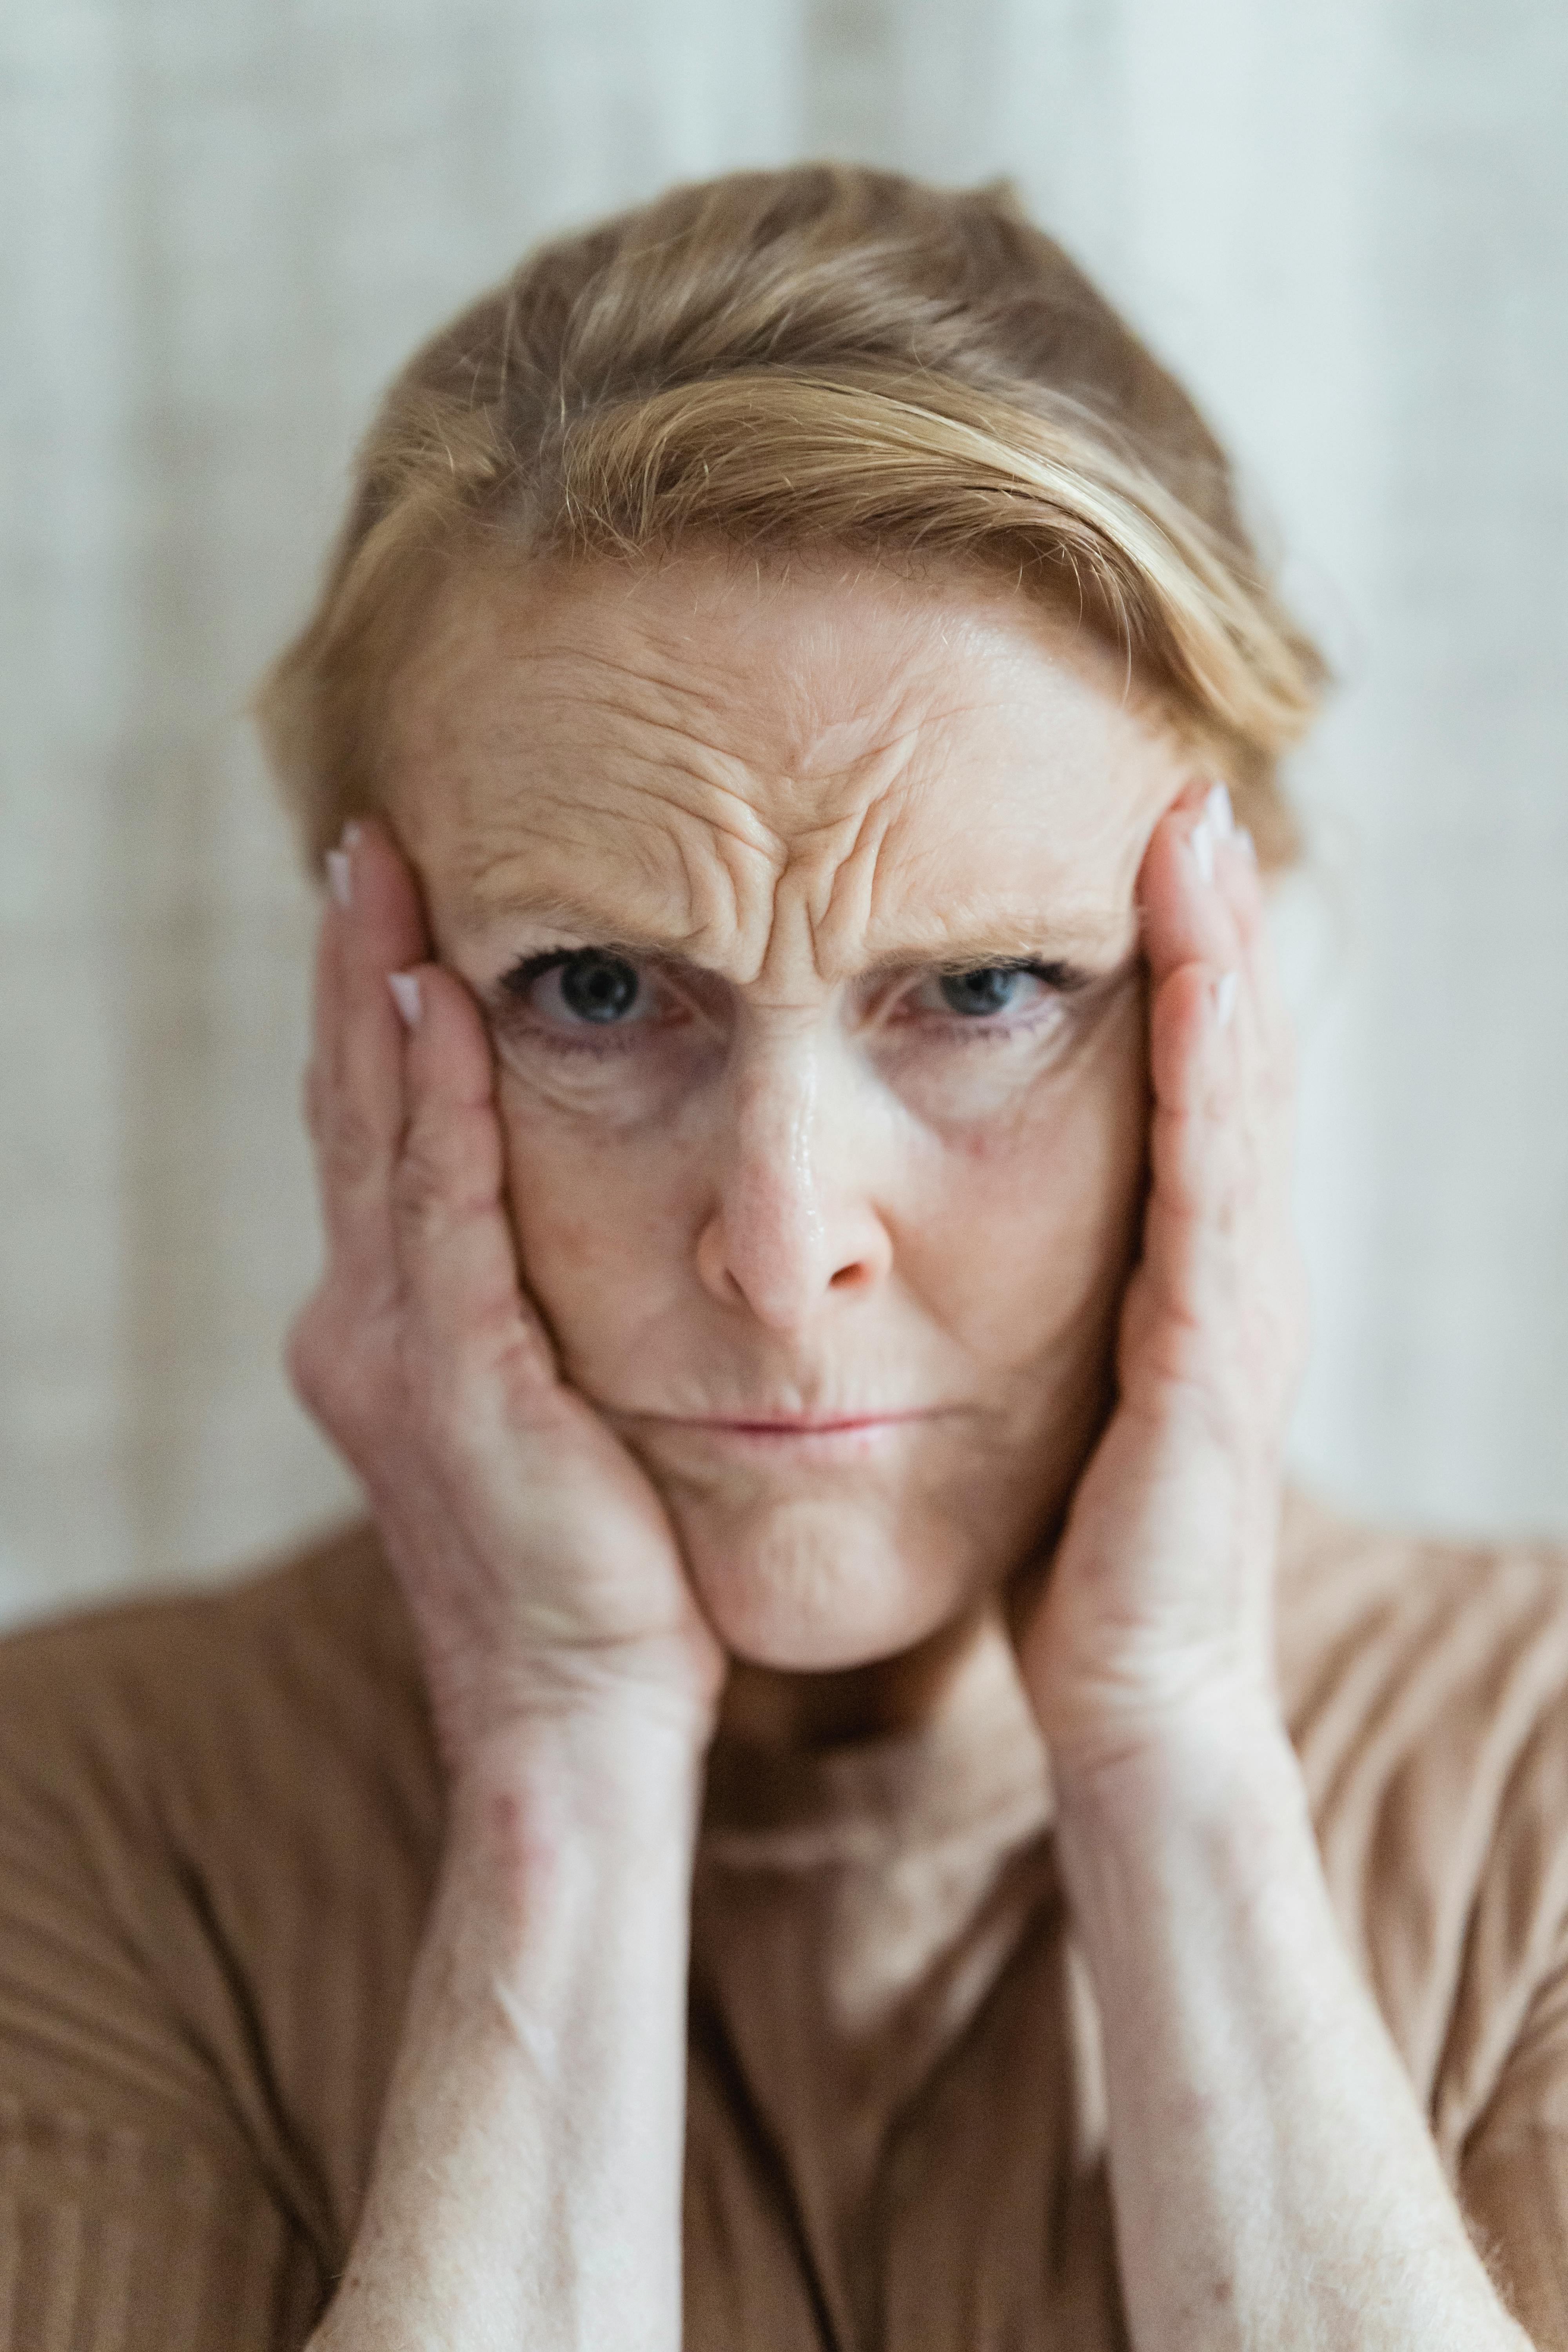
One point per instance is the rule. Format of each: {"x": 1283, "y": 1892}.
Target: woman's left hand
{"x": 1272, "y": 2168}
{"x": 1157, "y": 1607}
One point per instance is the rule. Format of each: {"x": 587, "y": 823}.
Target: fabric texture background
{"x": 225, "y": 227}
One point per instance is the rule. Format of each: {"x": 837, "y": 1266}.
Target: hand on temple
{"x": 1157, "y": 1605}
{"x": 537, "y": 1563}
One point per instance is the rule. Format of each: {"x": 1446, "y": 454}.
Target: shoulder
{"x": 1397, "y": 1650}
{"x": 1426, "y": 1684}
{"x": 219, "y": 1815}
{"x": 285, "y": 1690}
{"x": 1376, "y": 1623}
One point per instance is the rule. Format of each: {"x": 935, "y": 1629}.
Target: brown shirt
{"x": 219, "y": 1819}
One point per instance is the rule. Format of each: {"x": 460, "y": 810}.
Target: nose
{"x": 794, "y": 1226}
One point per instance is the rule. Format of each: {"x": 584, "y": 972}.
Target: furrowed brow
{"x": 577, "y": 920}
{"x": 1089, "y": 941}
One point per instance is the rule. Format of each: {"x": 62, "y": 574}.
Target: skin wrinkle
{"x": 928, "y": 779}
{"x": 750, "y": 833}
{"x": 685, "y": 835}
{"x": 583, "y": 688}
{"x": 872, "y": 826}
{"x": 754, "y": 836}
{"x": 679, "y": 723}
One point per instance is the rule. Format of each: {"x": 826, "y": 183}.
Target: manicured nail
{"x": 1225, "y": 989}
{"x": 1218, "y": 810}
{"x": 340, "y": 878}
{"x": 404, "y": 990}
{"x": 1246, "y": 846}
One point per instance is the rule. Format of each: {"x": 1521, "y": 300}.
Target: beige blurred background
{"x": 222, "y": 226}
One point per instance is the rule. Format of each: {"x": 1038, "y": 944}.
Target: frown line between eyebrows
{"x": 1092, "y": 948}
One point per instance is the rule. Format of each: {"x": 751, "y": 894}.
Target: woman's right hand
{"x": 538, "y": 1565}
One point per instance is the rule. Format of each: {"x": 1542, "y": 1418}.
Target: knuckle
{"x": 349, "y": 1152}
{"x": 443, "y": 1176}
{"x": 337, "y": 1367}
{"x": 419, "y": 1183}
{"x": 310, "y": 1356}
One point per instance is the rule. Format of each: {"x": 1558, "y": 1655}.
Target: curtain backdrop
{"x": 221, "y": 227}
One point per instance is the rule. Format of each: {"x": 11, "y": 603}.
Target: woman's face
{"x": 799, "y": 899}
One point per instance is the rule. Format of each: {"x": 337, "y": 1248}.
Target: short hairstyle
{"x": 782, "y": 360}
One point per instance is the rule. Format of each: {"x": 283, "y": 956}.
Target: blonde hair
{"x": 820, "y": 356}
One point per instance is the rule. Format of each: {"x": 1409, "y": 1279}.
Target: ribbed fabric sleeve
{"x": 110, "y": 2243}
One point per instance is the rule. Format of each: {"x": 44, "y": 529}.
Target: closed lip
{"x": 793, "y": 1425}
{"x": 802, "y": 1438}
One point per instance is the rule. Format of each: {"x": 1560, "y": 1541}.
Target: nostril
{"x": 848, "y": 1277}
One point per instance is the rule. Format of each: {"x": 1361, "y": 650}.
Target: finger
{"x": 1195, "y": 1070}
{"x": 326, "y": 1004}
{"x": 1202, "y": 905}
{"x": 477, "y": 1345}
{"x": 1187, "y": 911}
{"x": 1237, "y": 878}
{"x": 373, "y": 926}
{"x": 1264, "y": 1040}
{"x": 1219, "y": 1256}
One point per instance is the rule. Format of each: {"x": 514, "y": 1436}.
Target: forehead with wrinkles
{"x": 800, "y": 771}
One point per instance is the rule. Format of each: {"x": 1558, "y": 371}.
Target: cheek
{"x": 599, "y": 1221}
{"x": 1027, "y": 1222}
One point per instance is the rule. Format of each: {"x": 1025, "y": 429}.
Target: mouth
{"x": 840, "y": 1435}
{"x": 804, "y": 1424}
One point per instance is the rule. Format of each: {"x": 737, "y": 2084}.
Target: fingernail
{"x": 1201, "y": 842}
{"x": 340, "y": 878}
{"x": 1225, "y": 989}
{"x": 1217, "y": 808}
{"x": 352, "y": 832}
{"x": 1246, "y": 846}
{"x": 404, "y": 990}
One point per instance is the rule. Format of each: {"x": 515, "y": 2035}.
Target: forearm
{"x": 1274, "y": 2181}
{"x": 527, "y": 2182}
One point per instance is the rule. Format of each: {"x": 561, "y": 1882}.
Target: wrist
{"x": 544, "y": 1807}
{"x": 593, "y": 1769}
{"x": 1221, "y": 1774}
{"x": 1183, "y": 1745}
{"x": 569, "y": 1714}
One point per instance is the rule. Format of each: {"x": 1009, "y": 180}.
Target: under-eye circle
{"x": 993, "y": 988}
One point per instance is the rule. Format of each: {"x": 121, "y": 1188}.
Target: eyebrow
{"x": 1084, "y": 937}
{"x": 1075, "y": 939}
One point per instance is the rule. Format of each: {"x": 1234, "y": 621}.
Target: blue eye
{"x": 1007, "y": 997}
{"x": 994, "y": 988}
{"x": 587, "y": 983}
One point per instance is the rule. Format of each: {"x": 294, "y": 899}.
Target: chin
{"x": 812, "y": 1587}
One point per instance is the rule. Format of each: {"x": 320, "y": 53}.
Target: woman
{"x": 826, "y": 1762}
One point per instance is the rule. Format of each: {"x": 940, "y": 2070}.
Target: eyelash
{"x": 528, "y": 969}
{"x": 1063, "y": 979}
{"x": 516, "y": 982}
